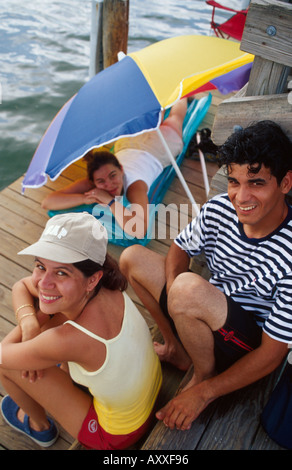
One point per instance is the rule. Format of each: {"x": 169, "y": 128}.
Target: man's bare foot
{"x": 176, "y": 356}
{"x": 194, "y": 380}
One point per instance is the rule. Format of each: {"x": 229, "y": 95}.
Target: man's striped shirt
{"x": 256, "y": 273}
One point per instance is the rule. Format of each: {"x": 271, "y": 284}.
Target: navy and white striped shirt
{"x": 256, "y": 273}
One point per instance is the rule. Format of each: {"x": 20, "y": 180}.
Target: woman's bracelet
{"x": 22, "y": 306}
{"x": 111, "y": 202}
{"x": 26, "y": 315}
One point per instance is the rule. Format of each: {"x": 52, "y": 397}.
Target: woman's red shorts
{"x": 93, "y": 436}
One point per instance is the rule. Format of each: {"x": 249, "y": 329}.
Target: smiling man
{"x": 234, "y": 328}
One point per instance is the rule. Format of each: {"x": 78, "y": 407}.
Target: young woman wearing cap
{"x": 137, "y": 162}
{"x": 73, "y": 309}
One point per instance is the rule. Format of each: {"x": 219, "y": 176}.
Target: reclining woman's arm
{"x": 72, "y": 195}
{"x": 134, "y": 221}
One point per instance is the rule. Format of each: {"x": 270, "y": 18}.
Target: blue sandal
{"x": 9, "y": 411}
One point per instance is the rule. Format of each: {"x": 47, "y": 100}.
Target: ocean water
{"x": 44, "y": 60}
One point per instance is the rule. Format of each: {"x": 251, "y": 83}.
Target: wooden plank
{"x": 163, "y": 438}
{"x": 34, "y": 194}
{"x": 60, "y": 183}
{"x": 244, "y": 110}
{"x": 5, "y": 327}
{"x": 22, "y": 205}
{"x": 230, "y": 423}
{"x": 19, "y": 226}
{"x": 23, "y": 225}
{"x": 10, "y": 246}
{"x": 239, "y": 415}
{"x": 267, "y": 78}
{"x": 263, "y": 442}
{"x": 6, "y": 303}
{"x": 11, "y": 272}
{"x": 74, "y": 172}
{"x": 267, "y": 32}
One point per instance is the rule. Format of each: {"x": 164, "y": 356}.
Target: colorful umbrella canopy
{"x": 127, "y": 98}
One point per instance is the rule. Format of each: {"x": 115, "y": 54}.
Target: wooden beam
{"x": 115, "y": 30}
{"x": 109, "y": 33}
{"x": 267, "y": 32}
{"x": 267, "y": 78}
{"x": 244, "y": 110}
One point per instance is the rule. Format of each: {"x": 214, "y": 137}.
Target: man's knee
{"x": 183, "y": 294}
{"x": 193, "y": 297}
{"x": 128, "y": 257}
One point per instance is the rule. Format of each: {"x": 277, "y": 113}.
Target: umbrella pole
{"x": 203, "y": 166}
{"x": 178, "y": 172}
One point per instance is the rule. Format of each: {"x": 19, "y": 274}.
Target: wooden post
{"x": 115, "y": 30}
{"x": 267, "y": 34}
{"x": 96, "y": 55}
{"x": 109, "y": 33}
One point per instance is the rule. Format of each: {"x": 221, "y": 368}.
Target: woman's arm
{"x": 38, "y": 353}
{"x": 24, "y": 297}
{"x": 133, "y": 220}
{"x": 57, "y": 343}
{"x": 29, "y": 318}
{"x": 70, "y": 196}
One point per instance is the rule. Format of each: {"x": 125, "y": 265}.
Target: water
{"x": 44, "y": 60}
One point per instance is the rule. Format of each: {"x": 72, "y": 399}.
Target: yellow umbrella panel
{"x": 178, "y": 66}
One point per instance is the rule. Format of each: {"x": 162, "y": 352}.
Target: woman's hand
{"x": 30, "y": 328}
{"x": 97, "y": 195}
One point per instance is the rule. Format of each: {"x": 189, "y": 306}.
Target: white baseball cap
{"x": 70, "y": 238}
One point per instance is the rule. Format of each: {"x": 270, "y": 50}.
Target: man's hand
{"x": 183, "y": 409}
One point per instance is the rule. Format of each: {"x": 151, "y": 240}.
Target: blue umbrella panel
{"x": 117, "y": 102}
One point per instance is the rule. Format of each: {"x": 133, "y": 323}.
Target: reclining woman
{"x": 73, "y": 309}
{"x": 136, "y": 163}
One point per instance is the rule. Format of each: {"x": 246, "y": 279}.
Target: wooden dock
{"x": 229, "y": 423}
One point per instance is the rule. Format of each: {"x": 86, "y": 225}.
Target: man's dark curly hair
{"x": 261, "y": 143}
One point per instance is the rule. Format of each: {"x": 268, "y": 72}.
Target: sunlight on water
{"x": 44, "y": 60}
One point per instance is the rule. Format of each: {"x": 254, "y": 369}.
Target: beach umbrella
{"x": 128, "y": 97}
